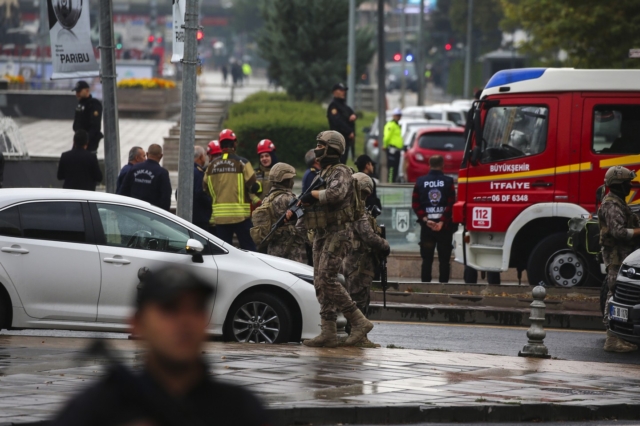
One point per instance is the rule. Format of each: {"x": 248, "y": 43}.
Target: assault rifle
{"x": 383, "y": 269}
{"x": 296, "y": 209}
{"x": 374, "y": 211}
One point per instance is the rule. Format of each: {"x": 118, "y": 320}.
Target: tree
{"x": 305, "y": 44}
{"x": 246, "y": 17}
{"x": 487, "y": 15}
{"x": 594, "y": 33}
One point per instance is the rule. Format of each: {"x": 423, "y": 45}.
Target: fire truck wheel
{"x": 552, "y": 263}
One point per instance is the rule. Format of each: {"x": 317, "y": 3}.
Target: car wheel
{"x": 553, "y": 263}
{"x": 259, "y": 318}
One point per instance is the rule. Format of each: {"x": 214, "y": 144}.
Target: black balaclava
{"x": 622, "y": 190}
{"x": 327, "y": 156}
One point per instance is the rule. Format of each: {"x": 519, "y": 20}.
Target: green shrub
{"x": 292, "y": 126}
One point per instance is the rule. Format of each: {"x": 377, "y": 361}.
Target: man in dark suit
{"x": 79, "y": 168}
{"x": 342, "y": 119}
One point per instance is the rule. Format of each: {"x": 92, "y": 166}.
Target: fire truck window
{"x": 616, "y": 129}
{"x": 514, "y": 131}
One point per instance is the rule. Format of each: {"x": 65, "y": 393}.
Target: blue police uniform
{"x": 148, "y": 181}
{"x": 433, "y": 197}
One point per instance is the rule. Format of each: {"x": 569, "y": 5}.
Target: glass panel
{"x": 444, "y": 141}
{"x": 10, "y": 222}
{"x": 59, "y": 221}
{"x": 513, "y": 132}
{"x": 403, "y": 231}
{"x": 616, "y": 129}
{"x": 140, "y": 229}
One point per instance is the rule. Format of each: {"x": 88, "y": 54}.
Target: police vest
{"x": 435, "y": 192}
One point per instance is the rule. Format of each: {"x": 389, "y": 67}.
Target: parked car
{"x": 70, "y": 260}
{"x": 446, "y": 112}
{"x": 624, "y": 306}
{"x": 410, "y": 133}
{"x": 446, "y": 141}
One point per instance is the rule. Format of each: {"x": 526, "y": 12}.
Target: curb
{"x": 407, "y": 414}
{"x": 482, "y": 315}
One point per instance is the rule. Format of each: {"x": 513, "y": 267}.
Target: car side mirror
{"x": 195, "y": 249}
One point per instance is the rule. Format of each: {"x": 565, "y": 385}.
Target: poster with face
{"x": 179, "y": 7}
{"x": 69, "y": 30}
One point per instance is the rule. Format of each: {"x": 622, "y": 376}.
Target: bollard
{"x": 341, "y": 324}
{"x": 536, "y": 334}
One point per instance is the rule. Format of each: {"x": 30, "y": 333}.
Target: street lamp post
{"x": 382, "y": 104}
{"x": 420, "y": 56}
{"x": 351, "y": 66}
{"x": 467, "y": 62}
{"x": 403, "y": 52}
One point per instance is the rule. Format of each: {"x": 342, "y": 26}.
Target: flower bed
{"x": 151, "y": 97}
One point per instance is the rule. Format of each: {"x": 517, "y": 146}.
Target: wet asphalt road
{"x": 569, "y": 345}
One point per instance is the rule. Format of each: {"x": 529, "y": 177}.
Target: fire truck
{"x": 541, "y": 140}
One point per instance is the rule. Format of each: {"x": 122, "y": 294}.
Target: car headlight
{"x": 304, "y": 277}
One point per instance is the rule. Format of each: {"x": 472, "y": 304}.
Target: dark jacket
{"x": 89, "y": 118}
{"x": 338, "y": 114}
{"x": 373, "y": 200}
{"x": 433, "y": 196}
{"x": 148, "y": 181}
{"x": 308, "y": 177}
{"x": 122, "y": 175}
{"x": 201, "y": 200}
{"x": 79, "y": 169}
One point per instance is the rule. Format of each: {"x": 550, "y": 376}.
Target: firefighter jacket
{"x": 264, "y": 185}
{"x": 230, "y": 180}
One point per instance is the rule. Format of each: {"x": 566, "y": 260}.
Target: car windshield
{"x": 442, "y": 141}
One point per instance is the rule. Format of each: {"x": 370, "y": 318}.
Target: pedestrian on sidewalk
{"x": 267, "y": 156}
{"x": 619, "y": 236}
{"x": 225, "y": 74}
{"x": 79, "y": 168}
{"x": 342, "y": 119}
{"x": 201, "y": 200}
{"x": 232, "y": 185}
{"x": 173, "y": 387}
{"x": 433, "y": 197}
{"x": 149, "y": 181}
{"x": 313, "y": 167}
{"x": 136, "y": 156}
{"x": 393, "y": 144}
{"x": 246, "y": 71}
{"x": 330, "y": 212}
{"x": 88, "y": 115}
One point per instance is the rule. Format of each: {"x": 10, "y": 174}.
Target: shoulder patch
{"x": 334, "y": 111}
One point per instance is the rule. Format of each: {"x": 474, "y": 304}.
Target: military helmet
{"x": 364, "y": 182}
{"x": 280, "y": 172}
{"x": 332, "y": 139}
{"x": 617, "y": 175}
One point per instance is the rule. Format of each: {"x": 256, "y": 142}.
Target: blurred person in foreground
{"x": 173, "y": 387}
{"x": 79, "y": 168}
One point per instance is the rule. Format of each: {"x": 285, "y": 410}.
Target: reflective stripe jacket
{"x": 228, "y": 180}
{"x": 392, "y": 135}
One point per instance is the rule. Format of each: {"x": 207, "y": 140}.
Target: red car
{"x": 445, "y": 141}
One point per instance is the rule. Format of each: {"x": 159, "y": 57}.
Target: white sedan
{"x": 70, "y": 260}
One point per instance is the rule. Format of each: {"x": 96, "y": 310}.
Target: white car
{"x": 70, "y": 260}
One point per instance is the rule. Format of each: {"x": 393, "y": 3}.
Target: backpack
{"x": 263, "y": 218}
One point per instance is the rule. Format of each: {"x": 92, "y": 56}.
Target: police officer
{"x": 342, "y": 119}
{"x": 330, "y": 212}
{"x": 149, "y": 181}
{"x": 393, "y": 144}
{"x": 619, "y": 229}
{"x": 88, "y": 115}
{"x": 358, "y": 267}
{"x": 288, "y": 241}
{"x": 267, "y": 156}
{"x": 433, "y": 197}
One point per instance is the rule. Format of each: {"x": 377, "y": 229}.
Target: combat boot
{"x": 328, "y": 337}
{"x": 616, "y": 344}
{"x": 366, "y": 343}
{"x": 360, "y": 326}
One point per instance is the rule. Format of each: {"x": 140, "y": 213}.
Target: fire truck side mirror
{"x": 475, "y": 155}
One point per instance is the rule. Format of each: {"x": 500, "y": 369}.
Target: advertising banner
{"x": 71, "y": 50}
{"x": 179, "y": 7}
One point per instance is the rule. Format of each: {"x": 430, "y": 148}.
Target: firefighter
{"x": 213, "y": 150}
{"x": 393, "y": 144}
{"x": 267, "y": 155}
{"x": 231, "y": 182}
{"x": 619, "y": 229}
{"x": 330, "y": 212}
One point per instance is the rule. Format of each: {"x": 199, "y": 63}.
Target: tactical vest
{"x": 263, "y": 219}
{"x": 319, "y": 216}
{"x": 616, "y": 248}
{"x": 363, "y": 251}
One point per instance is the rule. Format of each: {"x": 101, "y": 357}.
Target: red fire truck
{"x": 540, "y": 143}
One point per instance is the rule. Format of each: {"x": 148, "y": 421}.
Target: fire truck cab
{"x": 540, "y": 143}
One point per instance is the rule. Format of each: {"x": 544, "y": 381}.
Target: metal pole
{"x": 109, "y": 97}
{"x": 420, "y": 56}
{"x": 351, "y": 66}
{"x": 382, "y": 101}
{"x": 43, "y": 32}
{"x": 403, "y": 52}
{"x": 188, "y": 117}
{"x": 467, "y": 61}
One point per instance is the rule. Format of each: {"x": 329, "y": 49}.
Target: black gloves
{"x": 308, "y": 199}
{"x": 386, "y": 252}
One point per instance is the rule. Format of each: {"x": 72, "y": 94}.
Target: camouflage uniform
{"x": 289, "y": 241}
{"x": 358, "y": 266}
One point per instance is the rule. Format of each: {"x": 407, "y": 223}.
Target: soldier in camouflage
{"x": 619, "y": 228}
{"x": 358, "y": 266}
{"x": 330, "y": 212}
{"x": 288, "y": 241}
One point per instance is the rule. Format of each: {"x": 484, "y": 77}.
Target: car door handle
{"x": 542, "y": 184}
{"x": 14, "y": 250}
{"x": 117, "y": 260}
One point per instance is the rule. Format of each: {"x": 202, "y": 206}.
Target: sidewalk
{"x": 345, "y": 385}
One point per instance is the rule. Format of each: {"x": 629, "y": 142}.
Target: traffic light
{"x": 199, "y": 35}
{"x": 397, "y": 57}
{"x": 409, "y": 57}
{"x": 150, "y": 40}
{"x": 119, "y": 42}
{"x": 448, "y": 47}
